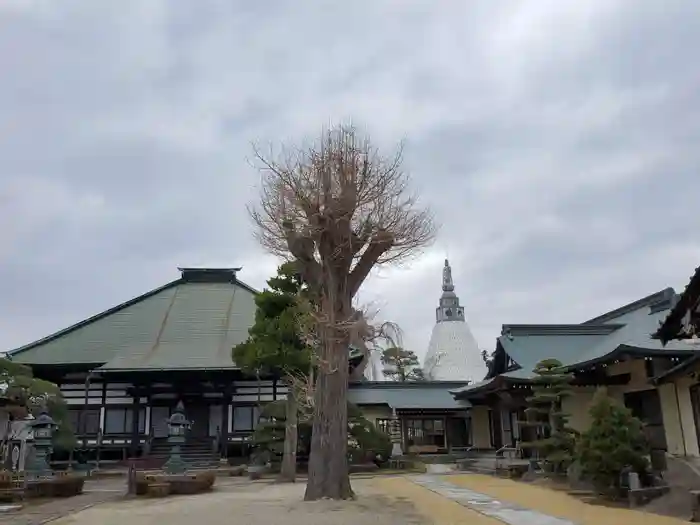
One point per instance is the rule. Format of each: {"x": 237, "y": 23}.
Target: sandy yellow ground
{"x": 435, "y": 508}
{"x": 556, "y": 503}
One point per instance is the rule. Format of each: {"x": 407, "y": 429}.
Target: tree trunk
{"x": 328, "y": 461}
{"x": 288, "y": 471}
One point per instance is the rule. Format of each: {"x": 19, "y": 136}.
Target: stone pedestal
{"x": 695, "y": 505}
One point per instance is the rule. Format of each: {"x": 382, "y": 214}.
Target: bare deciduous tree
{"x": 338, "y": 208}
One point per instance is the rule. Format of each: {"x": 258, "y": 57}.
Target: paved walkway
{"x": 506, "y": 512}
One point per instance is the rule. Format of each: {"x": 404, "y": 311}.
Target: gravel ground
{"x": 254, "y": 503}
{"x": 556, "y": 503}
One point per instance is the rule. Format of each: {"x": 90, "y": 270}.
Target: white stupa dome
{"x": 453, "y": 354}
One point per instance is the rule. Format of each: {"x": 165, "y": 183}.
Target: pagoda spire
{"x": 447, "y": 284}
{"x": 453, "y": 354}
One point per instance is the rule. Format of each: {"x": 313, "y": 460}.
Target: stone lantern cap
{"x": 44, "y": 419}
{"x": 178, "y": 417}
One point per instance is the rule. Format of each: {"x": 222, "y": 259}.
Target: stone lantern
{"x": 177, "y": 427}
{"x": 43, "y": 428}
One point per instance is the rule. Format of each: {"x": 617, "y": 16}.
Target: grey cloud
{"x": 556, "y": 142}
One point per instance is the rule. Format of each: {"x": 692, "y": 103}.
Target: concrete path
{"x": 503, "y": 511}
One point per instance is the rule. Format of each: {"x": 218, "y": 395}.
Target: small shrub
{"x": 614, "y": 441}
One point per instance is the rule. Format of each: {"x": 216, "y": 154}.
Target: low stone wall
{"x": 160, "y": 484}
{"x": 15, "y": 487}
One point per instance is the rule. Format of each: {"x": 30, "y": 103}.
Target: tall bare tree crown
{"x": 339, "y": 207}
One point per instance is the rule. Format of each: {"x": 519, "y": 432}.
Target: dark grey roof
{"x": 424, "y": 395}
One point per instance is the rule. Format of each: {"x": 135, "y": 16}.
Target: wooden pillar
{"x": 228, "y": 393}
{"x": 496, "y": 421}
{"x": 135, "y": 437}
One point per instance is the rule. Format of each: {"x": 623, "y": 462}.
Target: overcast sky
{"x": 557, "y": 142}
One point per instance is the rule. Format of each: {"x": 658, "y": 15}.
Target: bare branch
{"x": 338, "y": 208}
{"x": 339, "y": 202}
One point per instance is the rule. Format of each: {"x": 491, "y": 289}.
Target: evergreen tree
{"x": 614, "y": 441}
{"x": 26, "y": 394}
{"x": 555, "y": 440}
{"x": 274, "y": 346}
{"x": 401, "y": 365}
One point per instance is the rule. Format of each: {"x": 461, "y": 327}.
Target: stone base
{"x": 641, "y": 496}
{"x": 153, "y": 483}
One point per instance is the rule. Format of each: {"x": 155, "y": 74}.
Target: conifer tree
{"x": 25, "y": 394}
{"x": 275, "y": 346}
{"x": 555, "y": 440}
{"x": 614, "y": 441}
{"x": 401, "y": 365}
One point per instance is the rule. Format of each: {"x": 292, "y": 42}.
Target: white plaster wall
{"x": 672, "y": 419}
{"x": 690, "y": 434}
{"x": 679, "y": 422}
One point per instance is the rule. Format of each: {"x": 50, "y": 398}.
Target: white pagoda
{"x": 453, "y": 354}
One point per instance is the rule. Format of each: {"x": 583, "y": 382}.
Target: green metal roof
{"x": 190, "y": 323}
{"x": 419, "y": 395}
{"x": 625, "y": 330}
{"x": 528, "y": 345}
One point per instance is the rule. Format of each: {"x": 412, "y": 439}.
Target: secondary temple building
{"x": 615, "y": 350}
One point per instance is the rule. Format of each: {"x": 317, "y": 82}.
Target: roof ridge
{"x": 664, "y": 296}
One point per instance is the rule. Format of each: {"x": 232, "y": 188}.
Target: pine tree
{"x": 25, "y": 394}
{"x": 274, "y": 346}
{"x": 614, "y": 441}
{"x": 555, "y": 441}
{"x": 401, "y": 365}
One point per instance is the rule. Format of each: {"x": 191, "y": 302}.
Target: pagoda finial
{"x": 447, "y": 284}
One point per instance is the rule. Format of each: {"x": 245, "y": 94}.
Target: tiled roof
{"x": 626, "y": 329}
{"x": 433, "y": 395}
{"x": 190, "y": 323}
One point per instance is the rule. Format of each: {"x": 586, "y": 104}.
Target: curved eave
{"x": 487, "y": 386}
{"x": 634, "y": 351}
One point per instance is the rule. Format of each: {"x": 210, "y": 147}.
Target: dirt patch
{"x": 255, "y": 503}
